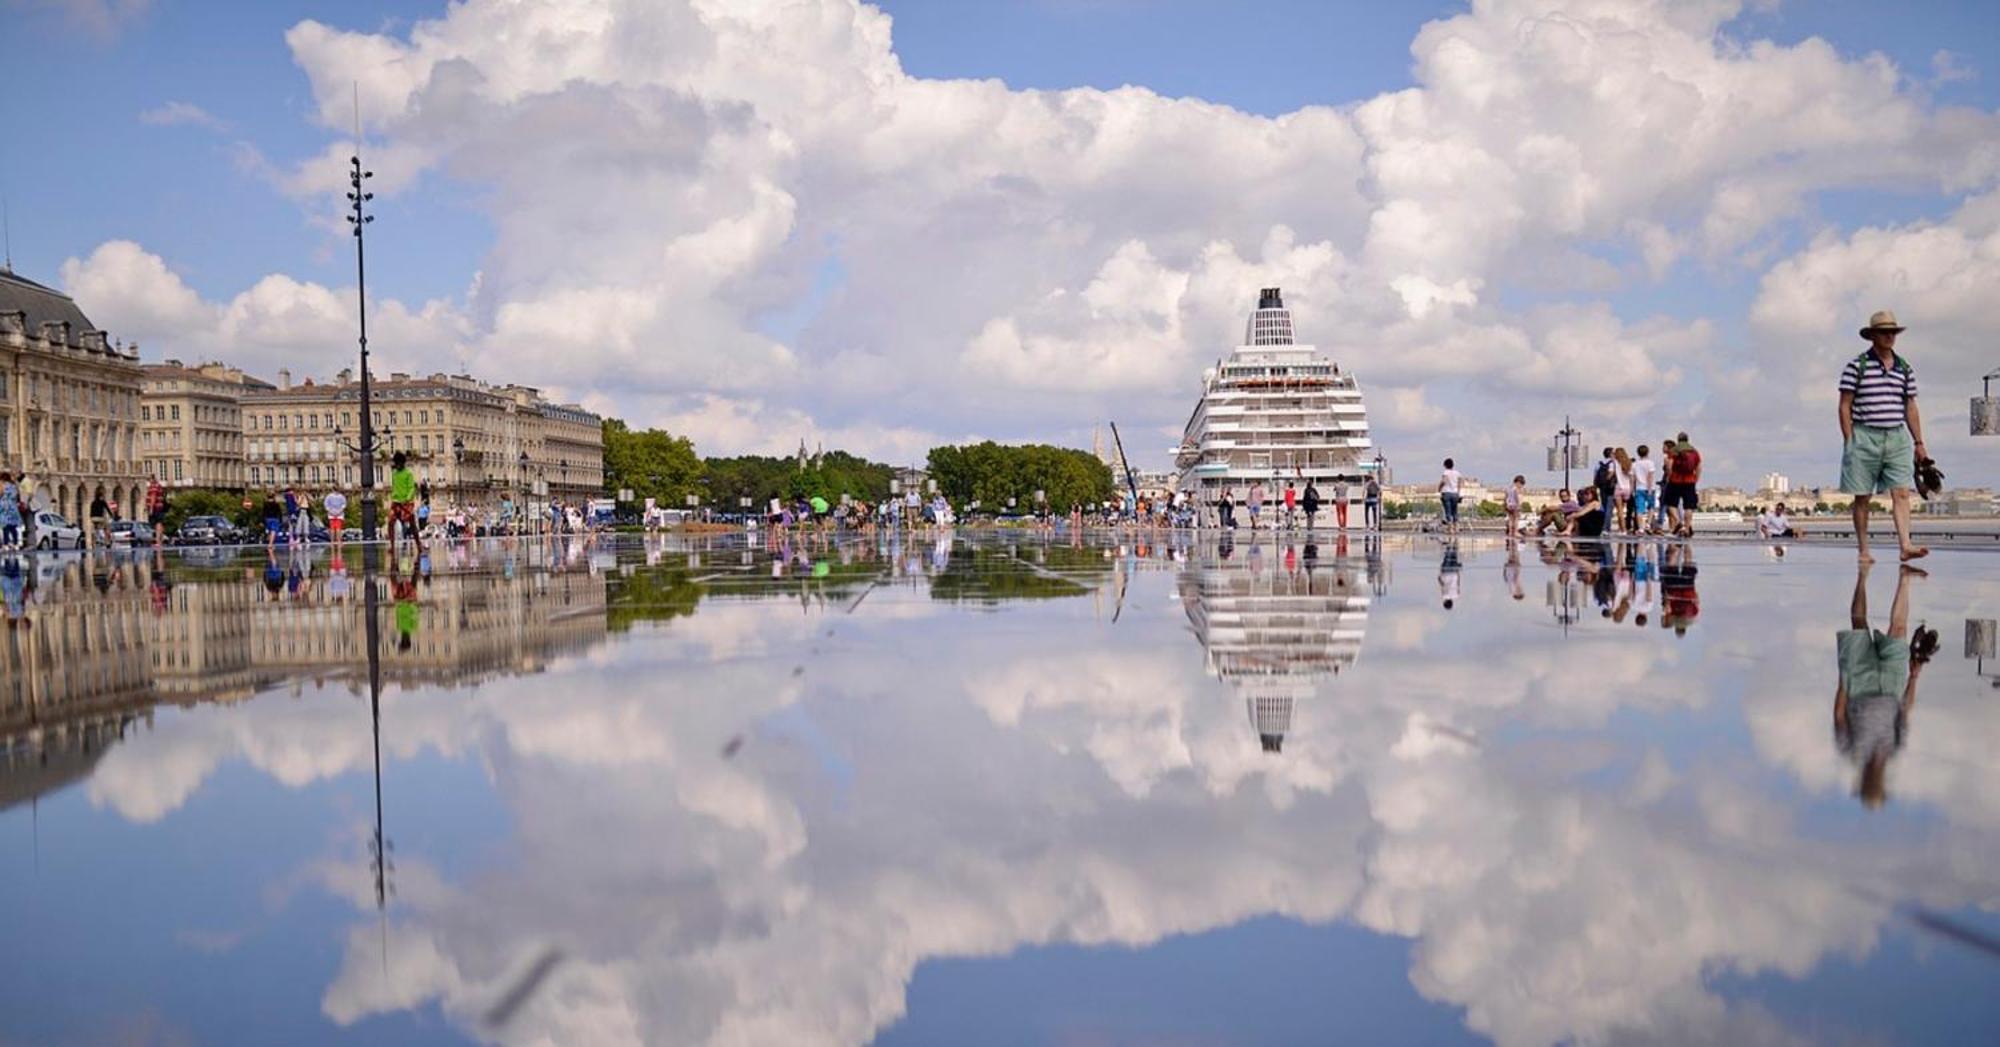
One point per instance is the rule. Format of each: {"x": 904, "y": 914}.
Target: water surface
{"x": 973, "y": 789}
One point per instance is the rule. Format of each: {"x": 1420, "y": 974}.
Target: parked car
{"x": 208, "y": 530}
{"x": 54, "y": 532}
{"x": 131, "y": 532}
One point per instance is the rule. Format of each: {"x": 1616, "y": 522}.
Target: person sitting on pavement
{"x": 1772, "y": 523}
{"x": 1557, "y": 516}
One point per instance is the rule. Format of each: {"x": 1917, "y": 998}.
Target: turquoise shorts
{"x": 1872, "y": 663}
{"x": 1877, "y": 460}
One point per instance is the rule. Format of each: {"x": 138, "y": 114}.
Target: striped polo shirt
{"x": 1880, "y": 393}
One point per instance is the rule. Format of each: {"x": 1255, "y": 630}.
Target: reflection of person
{"x": 1683, "y": 603}
{"x": 1448, "y": 571}
{"x": 1878, "y": 685}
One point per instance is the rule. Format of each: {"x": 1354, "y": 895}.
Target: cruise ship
{"x": 1272, "y": 632}
{"x": 1274, "y": 410}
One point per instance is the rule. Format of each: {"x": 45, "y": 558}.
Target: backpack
{"x": 1607, "y": 475}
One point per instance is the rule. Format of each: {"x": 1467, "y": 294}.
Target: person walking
{"x": 100, "y": 517}
{"x": 1683, "y": 482}
{"x": 1371, "y": 504}
{"x": 1448, "y": 494}
{"x": 1514, "y": 492}
{"x": 10, "y": 513}
{"x": 336, "y": 514}
{"x": 1660, "y": 514}
{"x": 1645, "y": 488}
{"x": 1605, "y": 479}
{"x": 274, "y": 521}
{"x": 1622, "y": 516}
{"x": 1291, "y": 503}
{"x": 291, "y": 511}
{"x": 1882, "y": 434}
{"x": 1340, "y": 499}
{"x": 403, "y": 500}
{"x": 1227, "y": 507}
{"x": 156, "y": 510}
{"x": 1311, "y": 504}
{"x": 1256, "y": 503}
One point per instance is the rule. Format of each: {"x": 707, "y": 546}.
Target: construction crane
{"x": 1131, "y": 481}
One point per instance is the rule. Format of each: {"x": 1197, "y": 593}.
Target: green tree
{"x": 204, "y": 502}
{"x": 652, "y": 462}
{"x": 991, "y": 473}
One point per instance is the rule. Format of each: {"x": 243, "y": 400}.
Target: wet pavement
{"x": 991, "y": 790}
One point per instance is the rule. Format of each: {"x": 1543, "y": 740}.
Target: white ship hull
{"x": 1272, "y": 411}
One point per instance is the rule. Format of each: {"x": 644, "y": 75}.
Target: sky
{"x": 886, "y": 227}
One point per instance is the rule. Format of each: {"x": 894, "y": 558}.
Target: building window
{"x": 312, "y": 421}
{"x": 177, "y": 469}
{"x": 145, "y": 413}
{"x": 176, "y": 409}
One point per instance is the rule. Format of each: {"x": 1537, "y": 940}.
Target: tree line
{"x": 653, "y": 463}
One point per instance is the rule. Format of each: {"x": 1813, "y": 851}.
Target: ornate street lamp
{"x": 357, "y": 197}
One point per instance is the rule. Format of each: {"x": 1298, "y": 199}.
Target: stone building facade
{"x": 69, "y": 401}
{"x": 473, "y": 442}
{"x": 191, "y": 424}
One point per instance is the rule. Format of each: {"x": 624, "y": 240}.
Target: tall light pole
{"x": 1563, "y": 443}
{"x": 358, "y": 197}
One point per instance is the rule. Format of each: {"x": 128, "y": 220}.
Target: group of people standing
{"x": 1294, "y": 502}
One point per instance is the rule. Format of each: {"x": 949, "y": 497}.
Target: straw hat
{"x": 1881, "y": 321}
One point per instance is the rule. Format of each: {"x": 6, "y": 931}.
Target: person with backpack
{"x": 1371, "y": 504}
{"x": 1605, "y": 479}
{"x": 1683, "y": 477}
{"x": 1311, "y": 504}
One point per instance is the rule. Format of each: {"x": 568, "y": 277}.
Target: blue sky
{"x": 205, "y": 195}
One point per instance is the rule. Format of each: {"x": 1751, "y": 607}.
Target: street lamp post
{"x": 1986, "y": 409}
{"x": 361, "y": 218}
{"x": 1563, "y": 445}
{"x": 520, "y": 481}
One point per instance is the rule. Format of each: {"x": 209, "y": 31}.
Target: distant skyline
{"x": 753, "y": 224}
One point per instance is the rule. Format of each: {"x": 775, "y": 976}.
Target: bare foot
{"x": 1914, "y": 552}
{"x": 1865, "y": 557}
{"x": 1913, "y": 569}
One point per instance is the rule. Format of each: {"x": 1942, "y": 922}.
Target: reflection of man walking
{"x": 1882, "y": 435}
{"x": 1878, "y": 685}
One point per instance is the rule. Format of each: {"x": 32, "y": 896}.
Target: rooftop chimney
{"x": 346, "y": 375}
{"x": 284, "y": 378}
{"x": 171, "y": 362}
{"x": 1269, "y": 298}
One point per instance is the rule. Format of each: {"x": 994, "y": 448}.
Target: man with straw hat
{"x": 1882, "y": 434}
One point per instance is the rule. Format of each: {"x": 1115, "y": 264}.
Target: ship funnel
{"x": 1271, "y": 323}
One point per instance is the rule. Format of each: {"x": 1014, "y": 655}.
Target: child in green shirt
{"x": 403, "y": 498}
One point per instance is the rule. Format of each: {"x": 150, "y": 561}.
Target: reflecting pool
{"x": 980, "y": 789}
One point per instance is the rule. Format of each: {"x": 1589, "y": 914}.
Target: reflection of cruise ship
{"x": 1273, "y": 410}
{"x": 1273, "y": 633}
